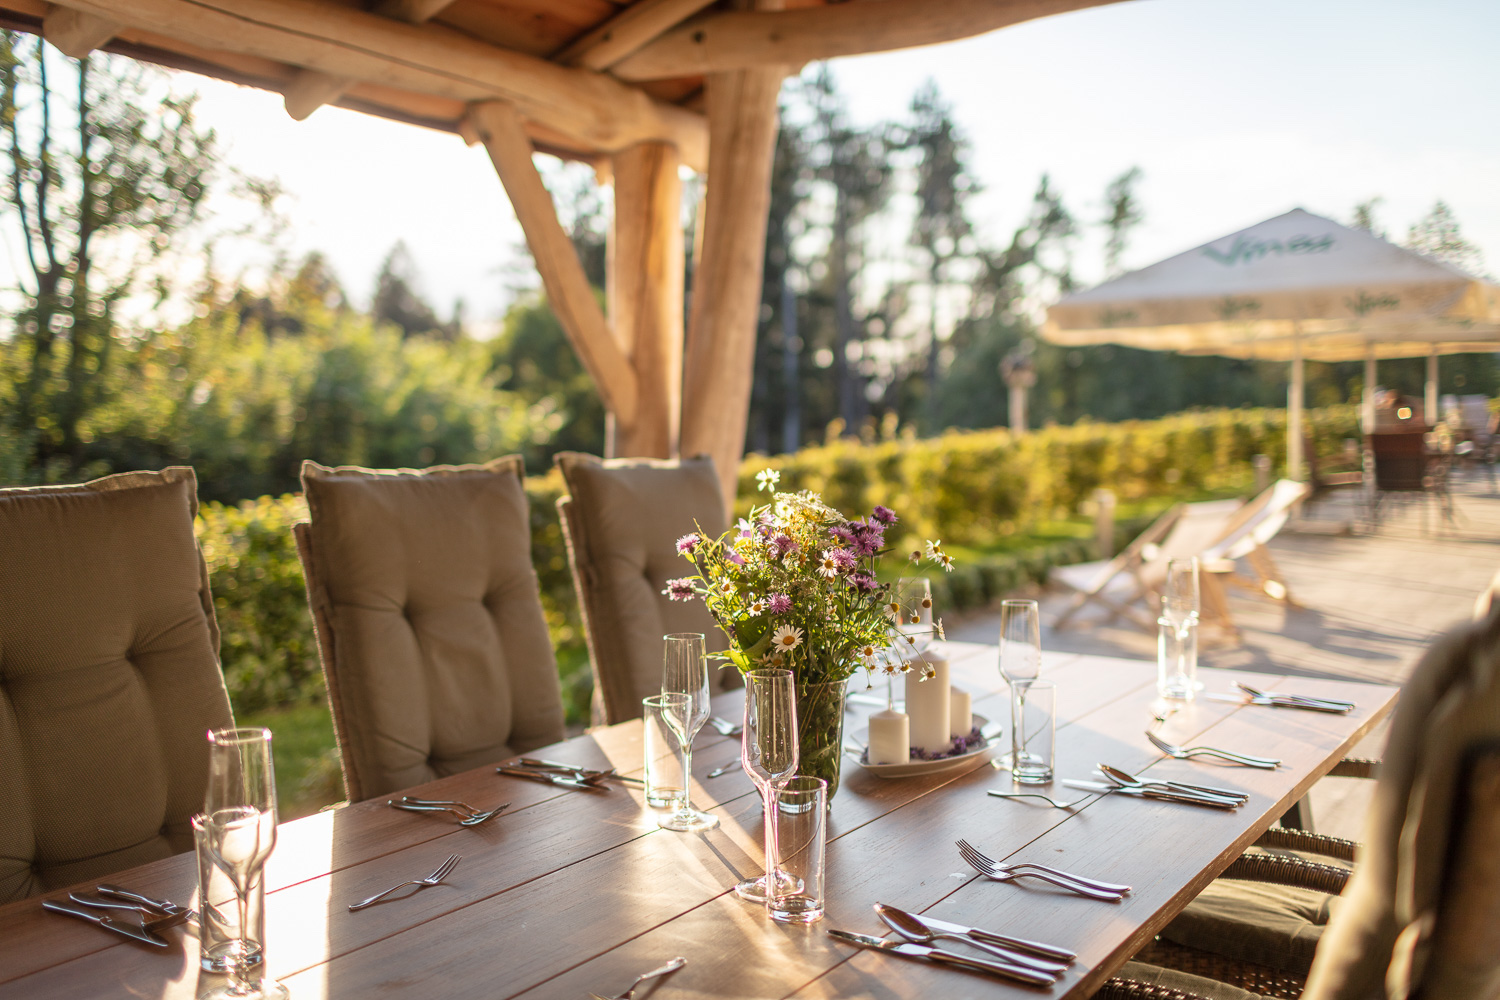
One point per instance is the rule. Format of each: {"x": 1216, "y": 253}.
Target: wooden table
{"x": 574, "y": 891}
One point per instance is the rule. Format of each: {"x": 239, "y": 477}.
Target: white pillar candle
{"x": 960, "y": 712}
{"x": 927, "y": 704}
{"x": 890, "y": 737}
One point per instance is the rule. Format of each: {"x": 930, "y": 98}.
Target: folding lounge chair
{"x": 1115, "y": 584}
{"x": 1254, "y": 525}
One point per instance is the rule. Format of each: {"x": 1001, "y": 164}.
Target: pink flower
{"x": 779, "y": 604}
{"x": 846, "y": 560}
{"x": 687, "y": 543}
{"x": 680, "y": 589}
{"x": 884, "y": 515}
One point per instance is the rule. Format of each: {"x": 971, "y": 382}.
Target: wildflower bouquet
{"x": 793, "y": 585}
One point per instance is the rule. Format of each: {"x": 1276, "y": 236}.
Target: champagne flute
{"x": 1020, "y": 663}
{"x": 768, "y": 753}
{"x": 1180, "y": 592}
{"x": 685, "y": 674}
{"x": 240, "y": 831}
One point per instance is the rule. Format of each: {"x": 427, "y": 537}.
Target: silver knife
{"x": 906, "y": 949}
{"x": 160, "y": 905}
{"x": 892, "y": 916}
{"x": 1021, "y": 944}
{"x": 159, "y": 920}
{"x": 552, "y": 779}
{"x": 105, "y": 921}
{"x": 579, "y": 771}
{"x": 1165, "y": 794}
{"x": 1307, "y": 699}
{"x": 1284, "y": 703}
{"x": 1226, "y": 793}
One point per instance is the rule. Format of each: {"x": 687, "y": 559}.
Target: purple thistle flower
{"x": 869, "y": 539}
{"x": 687, "y": 543}
{"x": 863, "y": 582}
{"x": 779, "y": 604}
{"x": 884, "y": 515}
{"x": 784, "y": 544}
{"x": 680, "y": 589}
{"x": 845, "y": 559}
{"x": 842, "y": 533}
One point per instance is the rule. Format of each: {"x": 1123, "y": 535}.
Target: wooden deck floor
{"x": 1371, "y": 598}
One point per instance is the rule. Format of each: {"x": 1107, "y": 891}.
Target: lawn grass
{"x": 306, "y": 756}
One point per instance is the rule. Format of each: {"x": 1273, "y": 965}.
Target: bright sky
{"x": 1236, "y": 110}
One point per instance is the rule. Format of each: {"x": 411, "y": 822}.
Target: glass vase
{"x": 820, "y": 731}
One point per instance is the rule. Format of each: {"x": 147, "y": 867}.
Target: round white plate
{"x": 915, "y": 767}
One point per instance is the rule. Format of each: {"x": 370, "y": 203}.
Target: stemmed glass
{"x": 1020, "y": 663}
{"x": 685, "y": 707}
{"x": 240, "y": 825}
{"x": 768, "y": 753}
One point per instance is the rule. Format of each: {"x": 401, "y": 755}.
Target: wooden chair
{"x": 109, "y": 678}
{"x": 428, "y": 618}
{"x": 621, "y": 520}
{"x": 1420, "y": 914}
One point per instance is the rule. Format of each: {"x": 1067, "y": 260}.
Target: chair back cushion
{"x": 429, "y": 620}
{"x": 1382, "y": 937}
{"x": 622, "y": 522}
{"x": 109, "y": 678}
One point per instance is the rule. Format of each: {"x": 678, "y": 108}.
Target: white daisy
{"x": 828, "y": 567}
{"x": 786, "y": 638}
{"x": 768, "y": 478}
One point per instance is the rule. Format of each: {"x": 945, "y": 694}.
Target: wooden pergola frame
{"x": 647, "y": 87}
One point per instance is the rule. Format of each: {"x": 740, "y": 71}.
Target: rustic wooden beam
{"x": 77, "y": 34}
{"x": 645, "y": 294}
{"x": 594, "y": 110}
{"x": 720, "y": 363}
{"x": 310, "y": 89}
{"x": 568, "y": 291}
{"x": 626, "y": 32}
{"x": 742, "y": 39}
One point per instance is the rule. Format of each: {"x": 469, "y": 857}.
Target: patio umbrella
{"x": 1291, "y": 288}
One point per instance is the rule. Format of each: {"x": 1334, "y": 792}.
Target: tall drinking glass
{"x": 769, "y": 754}
{"x": 685, "y": 674}
{"x": 1180, "y": 607}
{"x": 1020, "y": 663}
{"x": 239, "y": 831}
{"x": 1180, "y": 592}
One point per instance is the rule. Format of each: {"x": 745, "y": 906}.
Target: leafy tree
{"x": 941, "y": 230}
{"x": 1125, "y": 214}
{"x": 398, "y": 302}
{"x": 102, "y": 181}
{"x": 1364, "y": 217}
{"x": 1436, "y": 235}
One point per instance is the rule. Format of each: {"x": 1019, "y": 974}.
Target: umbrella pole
{"x": 1431, "y": 413}
{"x": 1367, "y": 405}
{"x": 1294, "y": 415}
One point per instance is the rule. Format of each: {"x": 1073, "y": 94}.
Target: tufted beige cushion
{"x": 109, "y": 677}
{"x": 621, "y": 523}
{"x": 429, "y": 620}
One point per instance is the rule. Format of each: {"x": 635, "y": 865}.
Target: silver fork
{"x": 441, "y": 872}
{"x": 1038, "y": 795}
{"x": 725, "y": 727}
{"x": 468, "y": 815}
{"x": 990, "y": 868}
{"x": 663, "y": 970}
{"x": 1183, "y": 753}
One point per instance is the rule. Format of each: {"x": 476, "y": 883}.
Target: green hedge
{"x": 970, "y": 488}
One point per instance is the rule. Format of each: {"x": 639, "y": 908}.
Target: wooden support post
{"x": 568, "y": 290}
{"x": 645, "y": 295}
{"x": 719, "y": 367}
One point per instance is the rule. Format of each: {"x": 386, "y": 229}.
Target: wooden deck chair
{"x": 1114, "y": 584}
{"x": 1254, "y": 526}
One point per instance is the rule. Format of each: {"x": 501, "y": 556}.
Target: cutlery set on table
{"x": 152, "y": 915}
{"x": 574, "y": 776}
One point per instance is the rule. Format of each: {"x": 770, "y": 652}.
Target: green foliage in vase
{"x": 794, "y": 586}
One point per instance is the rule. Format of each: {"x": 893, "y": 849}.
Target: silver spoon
{"x": 1127, "y": 780}
{"x": 671, "y": 966}
{"x": 914, "y": 930}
